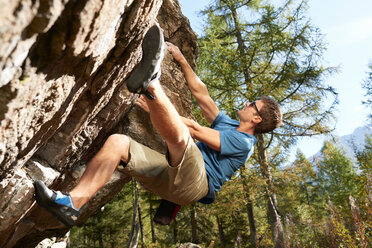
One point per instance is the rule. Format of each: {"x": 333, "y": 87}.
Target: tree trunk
{"x": 136, "y": 237}
{"x": 241, "y": 46}
{"x": 100, "y": 231}
{"x": 252, "y": 225}
{"x": 272, "y": 213}
{"x": 194, "y": 225}
{"x": 151, "y": 213}
{"x": 249, "y": 207}
{"x": 112, "y": 243}
{"x": 141, "y": 224}
{"x": 358, "y": 223}
{"x": 221, "y": 233}
{"x": 243, "y": 52}
{"x": 369, "y": 189}
{"x": 273, "y": 216}
{"x": 85, "y": 237}
{"x": 135, "y": 226}
{"x": 100, "y": 240}
{"x": 238, "y": 239}
{"x": 175, "y": 230}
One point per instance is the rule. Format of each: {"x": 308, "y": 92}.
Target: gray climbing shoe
{"x": 58, "y": 204}
{"x": 149, "y": 68}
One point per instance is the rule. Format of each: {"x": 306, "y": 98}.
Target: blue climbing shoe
{"x": 149, "y": 68}
{"x": 58, "y": 204}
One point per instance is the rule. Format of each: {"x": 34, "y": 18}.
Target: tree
{"x": 367, "y": 85}
{"x": 364, "y": 158}
{"x": 194, "y": 224}
{"x": 336, "y": 176}
{"x": 249, "y": 208}
{"x": 230, "y": 210}
{"x": 296, "y": 188}
{"x": 251, "y": 48}
{"x": 298, "y": 201}
{"x": 109, "y": 225}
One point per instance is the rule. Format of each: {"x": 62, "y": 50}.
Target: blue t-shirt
{"x": 236, "y": 148}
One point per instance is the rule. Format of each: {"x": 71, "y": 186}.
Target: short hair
{"x": 271, "y": 116}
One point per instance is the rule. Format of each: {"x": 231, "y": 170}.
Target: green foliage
{"x": 336, "y": 176}
{"x": 315, "y": 197}
{"x": 364, "y": 158}
{"x": 109, "y": 226}
{"x": 251, "y": 48}
{"x": 296, "y": 186}
{"x": 367, "y": 85}
{"x": 304, "y": 189}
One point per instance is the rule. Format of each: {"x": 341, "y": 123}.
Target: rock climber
{"x": 189, "y": 172}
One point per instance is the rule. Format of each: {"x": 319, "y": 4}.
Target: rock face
{"x": 63, "y": 92}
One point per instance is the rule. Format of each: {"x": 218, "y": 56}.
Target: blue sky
{"x": 347, "y": 26}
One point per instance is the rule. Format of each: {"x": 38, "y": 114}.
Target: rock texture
{"x": 63, "y": 66}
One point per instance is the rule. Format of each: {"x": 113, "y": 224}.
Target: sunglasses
{"x": 255, "y": 106}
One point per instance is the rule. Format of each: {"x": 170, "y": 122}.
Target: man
{"x": 189, "y": 172}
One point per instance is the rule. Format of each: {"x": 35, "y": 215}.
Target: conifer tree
{"x": 296, "y": 187}
{"x": 367, "y": 85}
{"x": 336, "y": 176}
{"x": 252, "y": 48}
{"x": 364, "y": 158}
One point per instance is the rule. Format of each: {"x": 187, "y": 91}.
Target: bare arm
{"x": 205, "y": 134}
{"x": 196, "y": 86}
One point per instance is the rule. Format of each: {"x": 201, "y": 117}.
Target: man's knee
{"x": 180, "y": 140}
{"x": 118, "y": 143}
{"x": 118, "y": 140}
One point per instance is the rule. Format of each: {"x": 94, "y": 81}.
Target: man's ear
{"x": 257, "y": 119}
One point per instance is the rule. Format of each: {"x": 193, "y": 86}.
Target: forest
{"x": 252, "y": 48}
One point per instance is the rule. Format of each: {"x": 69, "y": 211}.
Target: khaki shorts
{"x": 184, "y": 184}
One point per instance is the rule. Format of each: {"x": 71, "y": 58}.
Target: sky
{"x": 347, "y": 26}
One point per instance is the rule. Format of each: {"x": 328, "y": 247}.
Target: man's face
{"x": 251, "y": 110}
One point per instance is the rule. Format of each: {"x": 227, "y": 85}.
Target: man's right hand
{"x": 176, "y": 53}
{"x": 141, "y": 102}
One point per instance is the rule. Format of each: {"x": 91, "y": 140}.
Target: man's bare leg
{"x": 98, "y": 172}
{"x": 100, "y": 168}
{"x": 168, "y": 123}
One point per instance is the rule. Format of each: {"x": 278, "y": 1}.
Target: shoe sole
{"x": 166, "y": 212}
{"x": 152, "y": 55}
{"x": 44, "y": 201}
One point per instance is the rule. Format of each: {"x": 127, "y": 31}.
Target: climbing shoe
{"x": 57, "y": 203}
{"x": 148, "y": 69}
{"x": 166, "y": 212}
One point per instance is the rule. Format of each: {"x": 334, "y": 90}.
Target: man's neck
{"x": 246, "y": 128}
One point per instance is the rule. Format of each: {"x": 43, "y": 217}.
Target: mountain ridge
{"x": 350, "y": 142}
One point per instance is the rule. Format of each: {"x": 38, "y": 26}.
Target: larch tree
{"x": 367, "y": 85}
{"x": 364, "y": 159}
{"x": 251, "y": 48}
{"x": 336, "y": 176}
{"x": 296, "y": 187}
